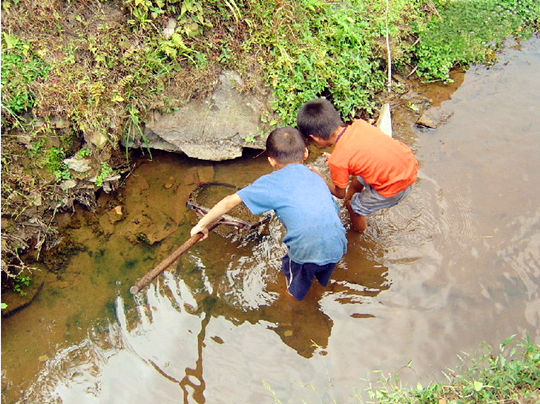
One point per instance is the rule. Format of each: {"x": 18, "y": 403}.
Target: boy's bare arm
{"x": 219, "y": 209}
{"x": 337, "y": 191}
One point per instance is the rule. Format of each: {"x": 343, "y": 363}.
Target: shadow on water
{"x": 454, "y": 264}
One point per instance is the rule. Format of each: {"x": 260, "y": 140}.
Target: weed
{"x": 510, "y": 375}
{"x": 21, "y": 281}
{"x": 320, "y": 48}
{"x": 469, "y": 31}
{"x": 249, "y": 139}
{"x": 20, "y": 68}
{"x": 133, "y": 131}
{"x": 56, "y": 164}
{"x": 82, "y": 153}
{"x": 104, "y": 172}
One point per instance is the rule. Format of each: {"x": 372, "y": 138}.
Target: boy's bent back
{"x": 302, "y": 202}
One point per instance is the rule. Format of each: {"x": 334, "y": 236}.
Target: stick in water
{"x": 163, "y": 265}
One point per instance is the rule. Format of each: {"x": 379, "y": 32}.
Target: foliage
{"x": 56, "y": 164}
{"x": 20, "y": 68}
{"x": 318, "y": 48}
{"x": 105, "y": 171}
{"x": 510, "y": 375}
{"x": 82, "y": 153}
{"x": 304, "y": 49}
{"x": 469, "y": 31}
{"x": 21, "y": 281}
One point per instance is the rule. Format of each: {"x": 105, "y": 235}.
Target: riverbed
{"x": 456, "y": 264}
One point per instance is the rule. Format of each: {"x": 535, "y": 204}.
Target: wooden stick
{"x": 163, "y": 265}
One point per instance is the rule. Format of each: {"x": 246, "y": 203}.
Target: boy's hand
{"x": 199, "y": 229}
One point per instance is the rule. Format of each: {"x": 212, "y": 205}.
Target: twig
{"x": 389, "y": 63}
{"x": 412, "y": 72}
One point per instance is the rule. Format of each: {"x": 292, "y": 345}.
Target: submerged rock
{"x": 434, "y": 117}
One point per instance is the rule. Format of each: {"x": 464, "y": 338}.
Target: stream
{"x": 455, "y": 264}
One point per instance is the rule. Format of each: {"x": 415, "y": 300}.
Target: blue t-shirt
{"x": 304, "y": 205}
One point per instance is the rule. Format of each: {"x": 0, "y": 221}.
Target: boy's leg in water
{"x": 358, "y": 222}
{"x": 354, "y": 187}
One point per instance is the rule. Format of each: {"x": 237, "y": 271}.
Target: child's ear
{"x": 315, "y": 139}
{"x": 272, "y": 161}
{"x": 306, "y": 153}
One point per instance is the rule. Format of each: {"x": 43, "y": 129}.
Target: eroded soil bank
{"x": 454, "y": 265}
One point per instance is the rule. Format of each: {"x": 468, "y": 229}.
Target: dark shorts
{"x": 300, "y": 276}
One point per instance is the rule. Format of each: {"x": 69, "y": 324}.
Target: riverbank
{"x": 80, "y": 79}
{"x": 508, "y": 374}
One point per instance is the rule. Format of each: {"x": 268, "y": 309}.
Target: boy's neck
{"x": 278, "y": 166}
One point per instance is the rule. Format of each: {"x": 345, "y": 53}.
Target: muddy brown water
{"x": 455, "y": 264}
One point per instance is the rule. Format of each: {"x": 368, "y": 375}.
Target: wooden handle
{"x": 163, "y": 265}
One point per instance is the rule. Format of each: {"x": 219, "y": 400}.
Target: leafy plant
{"x": 104, "y": 172}
{"x": 317, "y": 48}
{"x": 133, "y": 131}
{"x": 510, "y": 375}
{"x": 469, "y": 31}
{"x": 82, "y": 153}
{"x": 20, "y": 68}
{"x": 250, "y": 139}
{"x": 56, "y": 164}
{"x": 22, "y": 281}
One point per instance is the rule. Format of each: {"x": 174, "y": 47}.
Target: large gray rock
{"x": 214, "y": 128}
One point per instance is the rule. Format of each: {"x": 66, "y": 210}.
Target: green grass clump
{"x": 20, "y": 68}
{"x": 334, "y": 49}
{"x": 511, "y": 375}
{"x": 468, "y": 31}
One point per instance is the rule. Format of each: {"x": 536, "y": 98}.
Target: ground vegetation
{"x": 509, "y": 374}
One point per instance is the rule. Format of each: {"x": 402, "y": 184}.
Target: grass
{"x": 510, "y": 375}
{"x": 21, "y": 67}
{"x": 469, "y": 31}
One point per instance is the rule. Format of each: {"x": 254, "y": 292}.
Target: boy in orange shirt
{"x": 383, "y": 169}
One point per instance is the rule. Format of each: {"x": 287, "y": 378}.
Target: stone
{"x": 97, "y": 139}
{"x": 59, "y": 122}
{"x": 116, "y": 214}
{"x": 213, "y": 128}
{"x": 77, "y": 164}
{"x": 67, "y": 185}
{"x": 433, "y": 117}
{"x": 170, "y": 28}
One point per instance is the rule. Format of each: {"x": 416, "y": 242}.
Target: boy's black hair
{"x": 318, "y": 117}
{"x": 286, "y": 145}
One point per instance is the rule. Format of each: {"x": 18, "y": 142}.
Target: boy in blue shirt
{"x": 315, "y": 236}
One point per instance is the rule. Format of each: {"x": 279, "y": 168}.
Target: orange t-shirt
{"x": 386, "y": 164}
